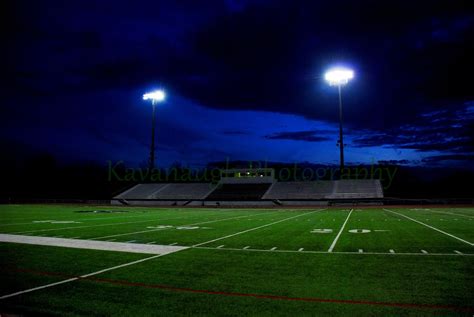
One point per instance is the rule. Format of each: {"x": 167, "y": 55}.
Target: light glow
{"x": 155, "y": 96}
{"x": 338, "y": 76}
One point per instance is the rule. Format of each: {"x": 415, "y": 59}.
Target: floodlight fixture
{"x": 338, "y": 76}
{"x": 155, "y": 96}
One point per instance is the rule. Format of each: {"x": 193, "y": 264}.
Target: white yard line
{"x": 191, "y": 224}
{"x": 94, "y": 226}
{"x": 431, "y": 227}
{"x": 256, "y": 228}
{"x": 340, "y": 232}
{"x": 450, "y": 213}
{"x": 81, "y": 277}
{"x": 169, "y": 249}
{"x": 334, "y": 252}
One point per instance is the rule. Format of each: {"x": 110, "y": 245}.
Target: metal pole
{"x": 341, "y": 140}
{"x": 152, "y": 146}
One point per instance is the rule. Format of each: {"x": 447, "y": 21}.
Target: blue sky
{"x": 244, "y": 80}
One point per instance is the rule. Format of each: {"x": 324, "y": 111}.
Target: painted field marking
{"x": 221, "y": 246}
{"x": 458, "y": 252}
{"x": 82, "y": 276}
{"x": 451, "y": 213}
{"x": 361, "y": 251}
{"x": 391, "y": 251}
{"x": 245, "y": 248}
{"x": 174, "y": 243}
{"x": 92, "y": 226}
{"x": 273, "y": 249}
{"x": 335, "y": 252}
{"x": 300, "y": 249}
{"x": 431, "y": 227}
{"x": 191, "y": 224}
{"x": 256, "y": 228}
{"x": 424, "y": 251}
{"x": 340, "y": 232}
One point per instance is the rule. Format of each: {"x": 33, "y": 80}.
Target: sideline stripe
{"x": 91, "y": 244}
{"x": 256, "y": 228}
{"x": 431, "y": 227}
{"x": 340, "y": 232}
{"x": 262, "y": 296}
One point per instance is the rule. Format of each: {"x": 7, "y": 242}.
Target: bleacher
{"x": 239, "y": 191}
{"x": 300, "y": 190}
{"x": 141, "y": 191}
{"x": 250, "y": 186}
{"x": 369, "y": 188}
{"x": 184, "y": 191}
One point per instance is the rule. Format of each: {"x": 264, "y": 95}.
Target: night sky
{"x": 244, "y": 80}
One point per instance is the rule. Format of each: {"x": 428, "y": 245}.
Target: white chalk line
{"x": 93, "y": 226}
{"x": 81, "y": 277}
{"x": 334, "y": 252}
{"x": 119, "y": 266}
{"x": 451, "y": 213}
{"x": 431, "y": 227}
{"x": 340, "y": 232}
{"x": 256, "y": 228}
{"x": 191, "y": 224}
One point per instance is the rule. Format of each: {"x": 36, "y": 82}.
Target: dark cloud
{"x": 449, "y": 157}
{"x": 307, "y": 136}
{"x": 445, "y": 130}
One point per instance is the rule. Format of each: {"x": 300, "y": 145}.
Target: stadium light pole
{"x": 155, "y": 97}
{"x": 339, "y": 77}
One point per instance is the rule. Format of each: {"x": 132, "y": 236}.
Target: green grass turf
{"x": 441, "y": 278}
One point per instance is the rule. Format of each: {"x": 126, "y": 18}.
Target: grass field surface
{"x": 335, "y": 261}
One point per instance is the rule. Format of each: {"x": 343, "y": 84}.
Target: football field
{"x": 101, "y": 260}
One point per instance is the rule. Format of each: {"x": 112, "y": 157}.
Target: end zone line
{"x": 431, "y": 227}
{"x": 340, "y": 232}
{"x": 256, "y": 228}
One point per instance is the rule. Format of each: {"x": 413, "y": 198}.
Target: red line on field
{"x": 232, "y": 294}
